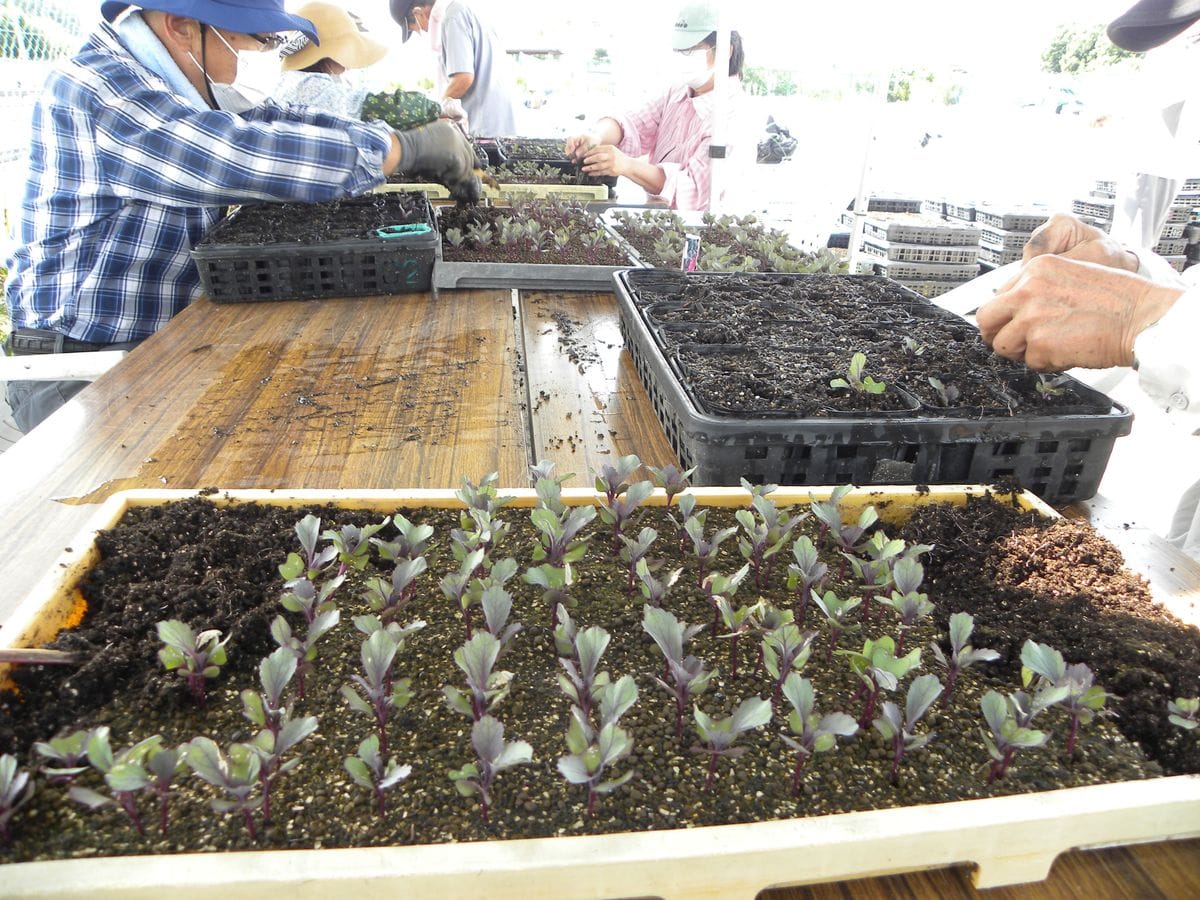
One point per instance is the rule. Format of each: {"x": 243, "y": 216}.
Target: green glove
{"x": 439, "y": 151}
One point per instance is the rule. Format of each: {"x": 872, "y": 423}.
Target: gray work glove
{"x": 439, "y": 151}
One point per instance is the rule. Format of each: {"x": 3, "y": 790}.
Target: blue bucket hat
{"x": 241, "y": 16}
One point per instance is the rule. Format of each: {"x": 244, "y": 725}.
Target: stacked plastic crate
{"x": 1176, "y": 235}
{"x": 1097, "y": 208}
{"x": 924, "y": 250}
{"x": 1005, "y": 230}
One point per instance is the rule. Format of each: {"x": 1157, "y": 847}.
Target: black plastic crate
{"x": 338, "y": 267}
{"x": 1061, "y": 457}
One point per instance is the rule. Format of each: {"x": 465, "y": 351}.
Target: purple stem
{"x": 712, "y": 771}
{"x": 129, "y": 804}
{"x": 801, "y": 759}
{"x": 733, "y": 657}
{"x": 249, "y": 820}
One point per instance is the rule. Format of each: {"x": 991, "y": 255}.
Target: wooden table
{"x": 419, "y": 391}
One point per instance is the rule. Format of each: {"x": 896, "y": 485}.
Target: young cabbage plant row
{"x": 894, "y": 698}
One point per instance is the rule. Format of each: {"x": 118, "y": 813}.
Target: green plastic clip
{"x": 388, "y": 232}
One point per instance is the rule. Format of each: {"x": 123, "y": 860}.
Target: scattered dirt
{"x": 1020, "y": 576}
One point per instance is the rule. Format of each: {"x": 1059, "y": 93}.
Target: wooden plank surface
{"x": 379, "y": 392}
{"x": 587, "y": 406}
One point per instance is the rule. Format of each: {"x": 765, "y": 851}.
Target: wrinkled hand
{"x": 605, "y": 160}
{"x": 1058, "y": 313}
{"x": 440, "y": 151}
{"x": 578, "y": 145}
{"x": 1067, "y": 236}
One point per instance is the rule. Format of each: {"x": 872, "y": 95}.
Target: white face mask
{"x": 693, "y": 68}
{"x": 257, "y": 77}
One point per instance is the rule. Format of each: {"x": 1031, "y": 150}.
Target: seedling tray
{"x": 1061, "y": 457}
{"x": 430, "y": 190}
{"x": 1011, "y": 839}
{"x": 994, "y": 256}
{"x": 515, "y": 191}
{"x": 1172, "y": 247}
{"x": 1002, "y": 239}
{"x": 1020, "y": 220}
{"x": 1172, "y": 231}
{"x": 919, "y": 253}
{"x": 1094, "y": 207}
{"x": 916, "y": 228}
{"x": 340, "y": 267}
{"x": 911, "y": 271}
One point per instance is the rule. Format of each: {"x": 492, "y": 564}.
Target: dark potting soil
{"x": 571, "y": 222}
{"x": 1021, "y": 576}
{"x": 353, "y": 218}
{"x": 748, "y": 345}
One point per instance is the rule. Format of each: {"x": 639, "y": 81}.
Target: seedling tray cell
{"x": 919, "y": 253}
{"x": 362, "y": 265}
{"x": 1061, "y": 457}
{"x": 963, "y": 211}
{"x": 1181, "y": 213}
{"x": 915, "y": 228}
{"x": 1172, "y": 231}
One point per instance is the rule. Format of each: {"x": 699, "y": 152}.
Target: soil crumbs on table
{"x": 1020, "y": 576}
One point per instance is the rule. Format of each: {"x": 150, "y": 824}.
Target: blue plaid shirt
{"x": 126, "y": 175}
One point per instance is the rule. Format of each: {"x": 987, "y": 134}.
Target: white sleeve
{"x": 1157, "y": 269}
{"x": 1167, "y": 359}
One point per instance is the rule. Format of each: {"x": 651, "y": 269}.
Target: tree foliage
{"x": 1073, "y": 51}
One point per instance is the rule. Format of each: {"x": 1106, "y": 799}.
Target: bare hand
{"x": 1067, "y": 236}
{"x": 1059, "y": 313}
{"x": 578, "y": 145}
{"x": 605, "y": 160}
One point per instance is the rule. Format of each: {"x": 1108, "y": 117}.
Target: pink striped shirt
{"x": 670, "y": 132}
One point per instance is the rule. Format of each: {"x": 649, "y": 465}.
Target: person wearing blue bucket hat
{"x": 141, "y": 140}
{"x": 1083, "y": 299}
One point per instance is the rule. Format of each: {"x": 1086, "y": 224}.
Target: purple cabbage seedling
{"x": 738, "y": 621}
{"x": 485, "y": 687}
{"x": 123, "y": 772}
{"x": 873, "y": 569}
{"x": 380, "y": 691}
{"x": 304, "y": 597}
{"x": 314, "y": 562}
{"x": 785, "y": 652}
{"x": 1084, "y": 701}
{"x": 806, "y": 575}
{"x": 612, "y": 480}
{"x": 717, "y": 585}
{"x": 719, "y": 736}
{"x": 582, "y": 681}
{"x": 671, "y": 480}
{"x": 879, "y": 669}
{"x": 236, "y": 775}
{"x": 1044, "y": 668}
{"x": 813, "y": 732}
{"x": 909, "y": 604}
{"x": 68, "y": 753}
{"x": 705, "y": 549}
{"x": 267, "y": 708}
{"x": 687, "y": 509}
{"x": 369, "y": 770}
{"x": 411, "y": 540}
{"x": 1008, "y": 734}
{"x": 497, "y": 605}
{"x": 765, "y": 531}
{"x": 1184, "y": 712}
{"x": 493, "y": 755}
{"x": 962, "y": 655}
{"x": 353, "y": 544}
{"x": 554, "y": 582}
{"x": 16, "y": 787}
{"x": 594, "y": 750}
{"x": 389, "y": 596}
{"x": 456, "y": 585}
{"x": 634, "y": 551}
{"x": 899, "y": 727}
{"x": 837, "y": 617}
{"x": 654, "y": 589}
{"x": 197, "y": 657}
{"x": 482, "y": 529}
{"x": 624, "y": 507}
{"x": 557, "y": 537}
{"x": 845, "y": 537}
{"x": 855, "y": 380}
{"x": 304, "y": 650}
{"x": 687, "y": 672}
{"x": 272, "y": 747}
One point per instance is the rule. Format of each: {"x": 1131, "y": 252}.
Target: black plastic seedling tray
{"x": 340, "y": 266}
{"x": 1060, "y": 456}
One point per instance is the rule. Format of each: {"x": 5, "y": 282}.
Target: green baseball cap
{"x": 694, "y": 23}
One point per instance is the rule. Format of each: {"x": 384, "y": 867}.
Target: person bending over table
{"x": 1082, "y": 299}
{"x": 314, "y": 72}
{"x": 141, "y": 139}
{"x": 674, "y": 130}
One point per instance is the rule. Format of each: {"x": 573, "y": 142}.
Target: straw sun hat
{"x": 342, "y": 40}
